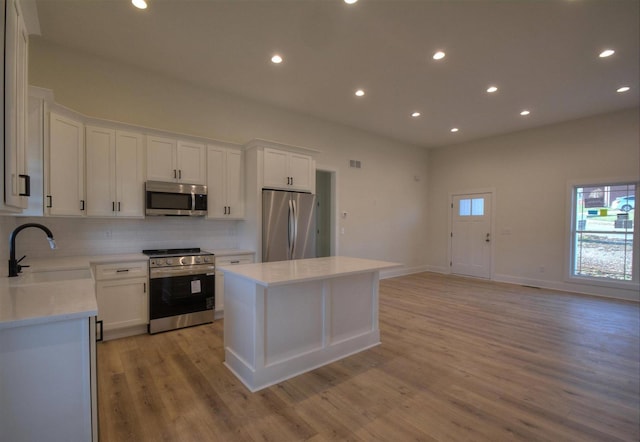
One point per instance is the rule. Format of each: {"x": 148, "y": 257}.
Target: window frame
{"x": 571, "y": 237}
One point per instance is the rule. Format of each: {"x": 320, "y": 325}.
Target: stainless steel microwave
{"x": 177, "y": 199}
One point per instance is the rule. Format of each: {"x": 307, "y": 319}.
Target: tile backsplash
{"x": 90, "y": 236}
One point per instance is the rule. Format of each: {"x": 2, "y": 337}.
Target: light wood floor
{"x": 460, "y": 360}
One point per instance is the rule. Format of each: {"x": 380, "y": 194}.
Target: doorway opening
{"x": 325, "y": 213}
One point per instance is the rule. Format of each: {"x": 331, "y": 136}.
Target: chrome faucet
{"x": 14, "y": 266}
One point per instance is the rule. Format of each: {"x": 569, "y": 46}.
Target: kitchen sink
{"x": 35, "y": 277}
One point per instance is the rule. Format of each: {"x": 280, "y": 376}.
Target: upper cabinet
{"x": 115, "y": 173}
{"x": 225, "y": 182}
{"x": 176, "y": 161}
{"x": 64, "y": 167}
{"x": 288, "y": 170}
{"x": 16, "y": 179}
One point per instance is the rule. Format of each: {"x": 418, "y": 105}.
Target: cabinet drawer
{"x": 122, "y": 270}
{"x": 234, "y": 259}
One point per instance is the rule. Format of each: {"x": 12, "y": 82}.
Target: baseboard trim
{"x": 604, "y": 292}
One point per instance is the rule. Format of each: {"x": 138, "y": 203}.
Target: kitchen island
{"x": 288, "y": 317}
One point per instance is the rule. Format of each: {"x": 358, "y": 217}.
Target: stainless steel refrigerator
{"x": 288, "y": 225}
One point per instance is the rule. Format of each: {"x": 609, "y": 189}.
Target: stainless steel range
{"x": 182, "y": 288}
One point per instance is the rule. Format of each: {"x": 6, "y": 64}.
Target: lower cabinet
{"x": 225, "y": 260}
{"x": 123, "y": 299}
{"x": 47, "y": 382}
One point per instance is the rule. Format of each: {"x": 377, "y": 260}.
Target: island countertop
{"x": 287, "y": 272}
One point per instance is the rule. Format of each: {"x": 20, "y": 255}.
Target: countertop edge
{"x": 375, "y": 266}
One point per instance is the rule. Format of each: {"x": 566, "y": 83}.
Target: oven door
{"x": 177, "y": 293}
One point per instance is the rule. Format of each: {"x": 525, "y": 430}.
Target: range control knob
{"x": 207, "y": 259}
{"x": 198, "y": 259}
{"x": 159, "y": 262}
{"x": 169, "y": 262}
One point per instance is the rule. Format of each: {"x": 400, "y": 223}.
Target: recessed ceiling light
{"x": 492, "y": 89}
{"x": 438, "y": 55}
{"x": 415, "y": 114}
{"x": 359, "y": 93}
{"x": 277, "y": 59}
{"x": 623, "y": 89}
{"x": 454, "y": 129}
{"x": 606, "y": 53}
{"x": 140, "y": 4}
{"x": 525, "y": 112}
{"x": 350, "y": 2}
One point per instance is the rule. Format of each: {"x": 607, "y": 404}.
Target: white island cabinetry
{"x": 227, "y": 260}
{"x": 285, "y": 318}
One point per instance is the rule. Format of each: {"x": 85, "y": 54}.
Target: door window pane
{"x": 477, "y": 207}
{"x": 465, "y": 207}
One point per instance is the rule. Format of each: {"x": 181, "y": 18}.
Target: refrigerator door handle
{"x": 290, "y": 231}
{"x": 295, "y": 229}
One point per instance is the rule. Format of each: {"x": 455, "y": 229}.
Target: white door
{"x": 191, "y": 163}
{"x": 471, "y": 235}
{"x": 101, "y": 173}
{"x": 161, "y": 164}
{"x": 129, "y": 174}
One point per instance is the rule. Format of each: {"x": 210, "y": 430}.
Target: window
{"x": 602, "y": 232}
{"x": 471, "y": 207}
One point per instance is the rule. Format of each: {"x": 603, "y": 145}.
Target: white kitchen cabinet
{"x": 123, "y": 299}
{"x": 16, "y": 179}
{"x": 48, "y": 375}
{"x": 64, "y": 159}
{"x": 226, "y": 260}
{"x": 225, "y": 183}
{"x": 288, "y": 170}
{"x": 175, "y": 161}
{"x": 115, "y": 173}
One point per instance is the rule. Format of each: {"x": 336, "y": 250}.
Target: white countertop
{"x": 28, "y": 299}
{"x": 30, "y": 303}
{"x": 300, "y": 270}
{"x": 47, "y": 292}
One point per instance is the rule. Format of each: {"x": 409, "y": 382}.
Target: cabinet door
{"x": 234, "y": 184}
{"x": 191, "y": 162}
{"x": 219, "y": 291}
{"x": 276, "y": 168}
{"x": 301, "y": 171}
{"x": 65, "y": 194}
{"x": 129, "y": 174}
{"x": 101, "y": 173}
{"x": 216, "y": 200}
{"x": 225, "y": 261}
{"x": 122, "y": 303}
{"x": 161, "y": 162}
{"x": 16, "y": 84}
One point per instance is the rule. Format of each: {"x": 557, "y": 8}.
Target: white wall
{"x": 386, "y": 204}
{"x": 530, "y": 172}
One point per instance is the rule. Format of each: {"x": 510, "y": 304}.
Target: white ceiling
{"x": 542, "y": 55}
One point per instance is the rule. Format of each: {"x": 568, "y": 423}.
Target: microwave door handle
{"x": 193, "y": 202}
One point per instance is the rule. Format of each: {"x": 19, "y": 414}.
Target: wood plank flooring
{"x": 460, "y": 360}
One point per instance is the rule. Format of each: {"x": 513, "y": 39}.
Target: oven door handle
{"x": 180, "y": 271}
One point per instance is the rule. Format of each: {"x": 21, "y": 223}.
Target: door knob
{"x": 488, "y": 238}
